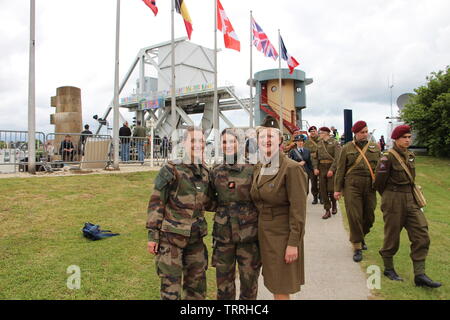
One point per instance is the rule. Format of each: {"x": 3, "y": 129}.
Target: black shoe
{"x": 326, "y": 215}
{"x": 320, "y": 200}
{"x": 422, "y": 280}
{"x": 357, "y": 257}
{"x": 392, "y": 275}
{"x": 364, "y": 246}
{"x": 315, "y": 200}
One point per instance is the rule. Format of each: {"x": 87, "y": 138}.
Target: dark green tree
{"x": 428, "y": 112}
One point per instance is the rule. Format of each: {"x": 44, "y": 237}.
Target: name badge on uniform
{"x": 198, "y": 188}
{"x": 231, "y": 185}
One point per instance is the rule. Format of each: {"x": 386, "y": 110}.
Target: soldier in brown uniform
{"x": 235, "y": 231}
{"x": 395, "y": 177}
{"x": 311, "y": 144}
{"x": 354, "y": 178}
{"x": 176, "y": 223}
{"x": 324, "y": 164}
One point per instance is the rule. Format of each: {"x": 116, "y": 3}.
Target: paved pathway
{"x": 330, "y": 271}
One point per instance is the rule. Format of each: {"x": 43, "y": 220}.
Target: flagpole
{"x": 116, "y": 93}
{"x": 280, "y": 91}
{"x": 31, "y": 94}
{"x": 251, "y": 72}
{"x": 172, "y": 91}
{"x": 215, "y": 103}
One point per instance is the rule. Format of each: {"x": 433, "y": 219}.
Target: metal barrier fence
{"x": 77, "y": 148}
{"x": 139, "y": 149}
{"x": 55, "y": 150}
{"x": 14, "y": 150}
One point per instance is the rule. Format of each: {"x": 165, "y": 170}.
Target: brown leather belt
{"x": 326, "y": 161}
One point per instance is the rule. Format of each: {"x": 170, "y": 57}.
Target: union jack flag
{"x": 262, "y": 43}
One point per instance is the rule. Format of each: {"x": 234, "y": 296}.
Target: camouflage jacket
{"x": 325, "y": 149}
{"x": 347, "y": 159}
{"x": 391, "y": 175}
{"x": 236, "y": 218}
{"x": 181, "y": 195}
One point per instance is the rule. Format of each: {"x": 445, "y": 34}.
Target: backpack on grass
{"x": 93, "y": 232}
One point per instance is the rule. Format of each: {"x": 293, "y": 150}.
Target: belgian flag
{"x": 182, "y": 9}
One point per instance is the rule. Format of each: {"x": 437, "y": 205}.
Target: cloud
{"x": 349, "y": 47}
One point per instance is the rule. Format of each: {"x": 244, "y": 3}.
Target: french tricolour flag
{"x": 292, "y": 63}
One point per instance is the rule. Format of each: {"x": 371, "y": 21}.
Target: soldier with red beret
{"x": 324, "y": 164}
{"x": 354, "y": 180}
{"x": 401, "y": 206}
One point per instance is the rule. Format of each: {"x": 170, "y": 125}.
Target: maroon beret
{"x": 358, "y": 126}
{"x": 325, "y": 129}
{"x": 399, "y": 131}
{"x": 312, "y": 128}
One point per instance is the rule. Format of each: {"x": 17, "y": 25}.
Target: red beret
{"x": 358, "y": 126}
{"x": 399, "y": 131}
{"x": 325, "y": 129}
{"x": 312, "y": 128}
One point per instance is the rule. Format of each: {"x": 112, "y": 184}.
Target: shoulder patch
{"x": 165, "y": 177}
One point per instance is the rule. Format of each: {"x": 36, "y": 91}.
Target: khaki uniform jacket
{"x": 281, "y": 202}
{"x": 325, "y": 149}
{"x": 347, "y": 159}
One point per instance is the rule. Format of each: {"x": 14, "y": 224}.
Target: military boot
{"x": 357, "y": 256}
{"x": 315, "y": 200}
{"x": 422, "y": 280}
{"x": 320, "y": 199}
{"x": 364, "y": 245}
{"x": 327, "y": 214}
{"x": 392, "y": 275}
{"x": 333, "y": 205}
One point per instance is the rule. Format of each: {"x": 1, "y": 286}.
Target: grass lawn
{"x": 40, "y": 236}
{"x": 434, "y": 176}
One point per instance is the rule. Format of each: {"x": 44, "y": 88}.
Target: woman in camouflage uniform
{"x": 235, "y": 231}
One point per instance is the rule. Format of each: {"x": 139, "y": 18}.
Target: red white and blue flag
{"x": 292, "y": 63}
{"x": 152, "y": 5}
{"x": 230, "y": 37}
{"x": 261, "y": 41}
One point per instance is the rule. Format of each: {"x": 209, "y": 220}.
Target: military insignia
{"x": 231, "y": 185}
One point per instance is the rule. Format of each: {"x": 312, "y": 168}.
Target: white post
{"x": 31, "y": 94}
{"x": 280, "y": 91}
{"x": 172, "y": 89}
{"x": 216, "y": 102}
{"x": 152, "y": 140}
{"x": 251, "y": 73}
{"x": 116, "y": 93}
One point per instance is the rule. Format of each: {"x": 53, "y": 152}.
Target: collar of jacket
{"x": 360, "y": 144}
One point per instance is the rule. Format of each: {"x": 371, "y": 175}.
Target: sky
{"x": 349, "y": 47}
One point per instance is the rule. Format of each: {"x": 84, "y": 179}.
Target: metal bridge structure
{"x": 194, "y": 74}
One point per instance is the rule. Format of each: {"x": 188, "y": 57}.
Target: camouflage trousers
{"x": 187, "y": 265}
{"x": 248, "y": 258}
